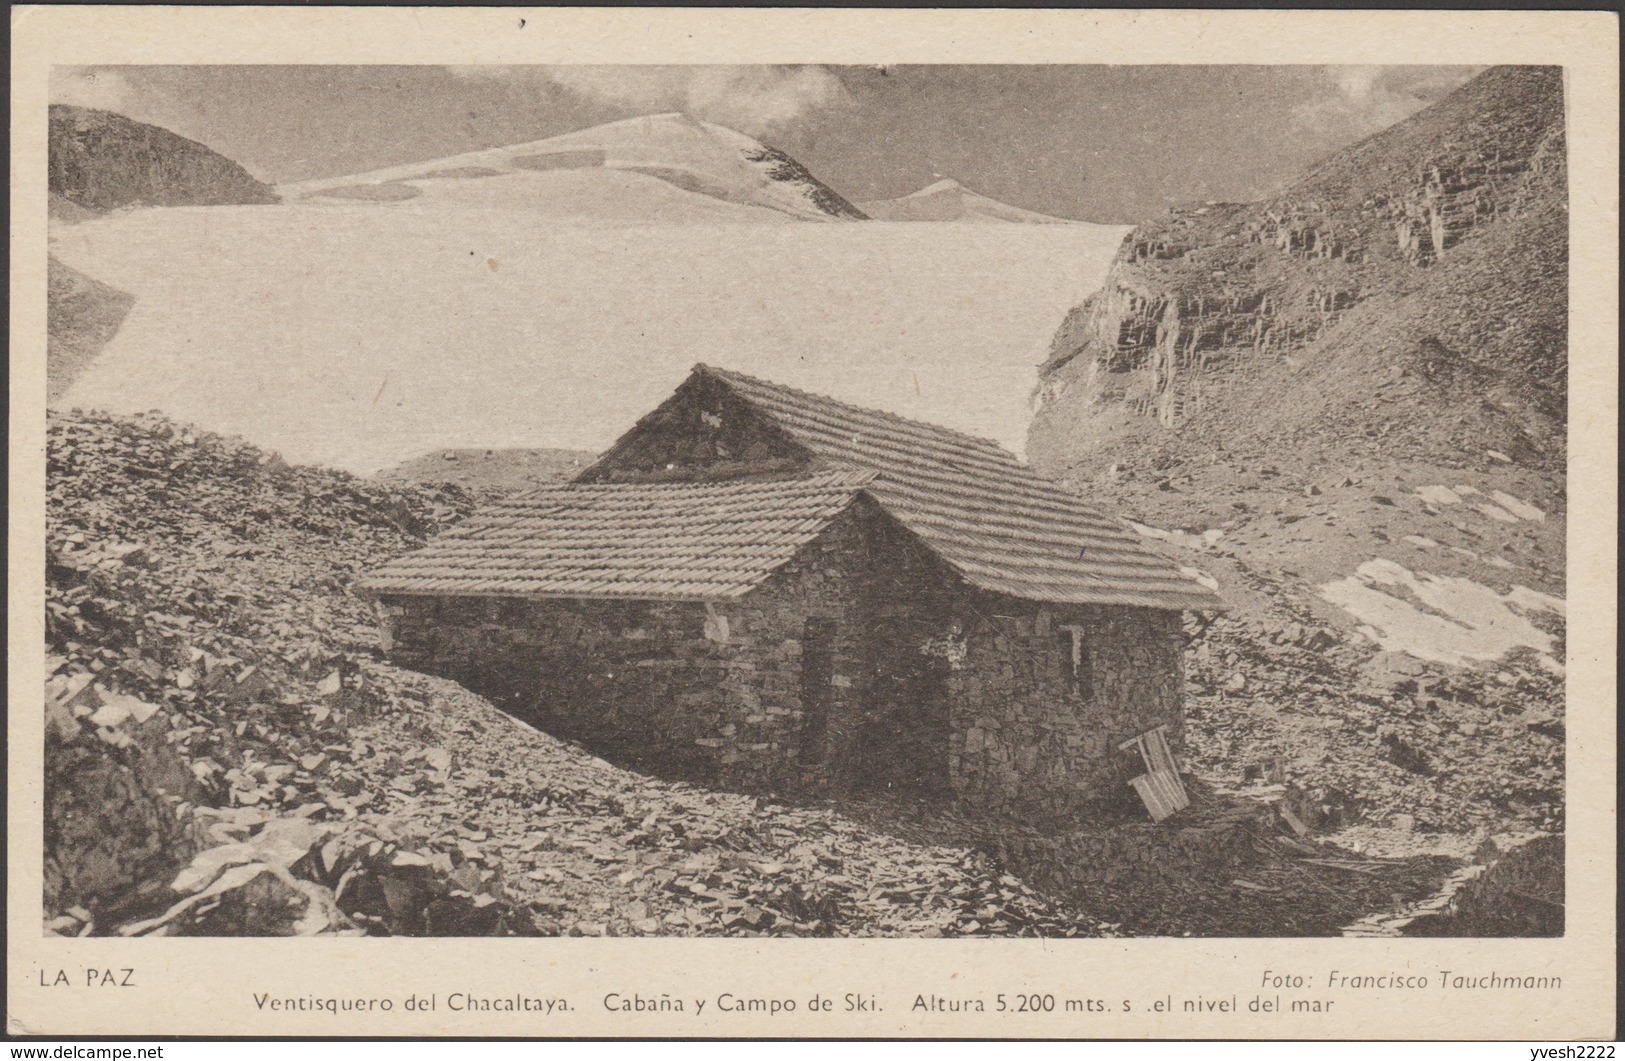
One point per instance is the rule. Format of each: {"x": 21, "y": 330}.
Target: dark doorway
{"x": 817, "y": 689}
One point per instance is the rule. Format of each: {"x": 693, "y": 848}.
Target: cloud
{"x": 88, "y": 87}
{"x": 752, "y": 99}
{"x": 1360, "y": 100}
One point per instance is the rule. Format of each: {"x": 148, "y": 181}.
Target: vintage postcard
{"x": 786, "y": 523}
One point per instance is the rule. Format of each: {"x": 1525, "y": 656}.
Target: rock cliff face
{"x": 100, "y": 161}
{"x": 1346, "y": 406}
{"x": 1436, "y": 248}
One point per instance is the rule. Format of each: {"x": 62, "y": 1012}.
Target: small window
{"x": 1078, "y": 666}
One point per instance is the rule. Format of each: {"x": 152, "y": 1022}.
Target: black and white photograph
{"x": 917, "y": 501}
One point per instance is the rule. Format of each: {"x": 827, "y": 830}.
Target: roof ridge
{"x": 728, "y": 374}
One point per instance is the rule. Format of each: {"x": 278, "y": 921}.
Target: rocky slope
{"x": 81, "y": 316}
{"x": 1435, "y": 251}
{"x": 1348, "y": 403}
{"x": 227, "y": 753}
{"x": 101, "y": 161}
{"x": 488, "y": 473}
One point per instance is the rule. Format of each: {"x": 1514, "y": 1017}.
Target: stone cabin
{"x": 769, "y": 590}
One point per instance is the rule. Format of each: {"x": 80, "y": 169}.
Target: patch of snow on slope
{"x": 1495, "y": 512}
{"x": 1440, "y": 618}
{"x": 1184, "y": 539}
{"x": 1533, "y": 600}
{"x": 1200, "y": 576}
{"x": 359, "y": 336}
{"x": 1518, "y": 507}
{"x": 1506, "y": 508}
{"x": 1439, "y": 495}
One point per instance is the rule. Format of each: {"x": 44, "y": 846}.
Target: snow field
{"x": 361, "y": 334}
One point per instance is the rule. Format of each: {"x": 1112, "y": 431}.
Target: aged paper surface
{"x": 1146, "y": 984}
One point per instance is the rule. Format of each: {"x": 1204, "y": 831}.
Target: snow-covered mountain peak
{"x": 655, "y": 167}
{"x": 949, "y": 200}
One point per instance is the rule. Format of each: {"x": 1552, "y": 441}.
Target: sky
{"x": 1111, "y": 144}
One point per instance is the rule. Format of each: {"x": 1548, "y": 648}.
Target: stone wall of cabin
{"x": 710, "y": 692}
{"x": 1024, "y": 738}
{"x": 913, "y": 622}
{"x": 1012, "y": 728}
{"x": 768, "y": 741}
{"x": 934, "y": 687}
{"x": 638, "y": 682}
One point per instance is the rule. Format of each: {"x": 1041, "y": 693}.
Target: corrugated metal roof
{"x": 1003, "y": 526}
{"x": 660, "y": 541}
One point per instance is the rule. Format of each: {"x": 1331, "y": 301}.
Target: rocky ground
{"x": 227, "y": 753}
{"x": 1396, "y": 753}
{"x": 487, "y": 474}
